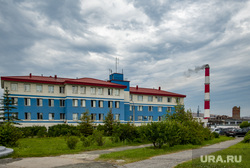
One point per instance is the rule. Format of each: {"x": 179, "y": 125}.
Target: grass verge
{"x": 53, "y": 146}
{"x": 134, "y": 155}
{"x": 238, "y": 152}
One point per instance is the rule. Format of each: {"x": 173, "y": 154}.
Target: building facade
{"x": 51, "y": 100}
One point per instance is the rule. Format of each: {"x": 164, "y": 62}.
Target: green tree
{"x": 109, "y": 123}
{"x": 244, "y": 124}
{"x": 85, "y": 127}
{"x": 7, "y": 108}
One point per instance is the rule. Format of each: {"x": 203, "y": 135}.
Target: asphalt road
{"x": 86, "y": 159}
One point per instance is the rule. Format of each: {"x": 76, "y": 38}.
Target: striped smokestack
{"x": 207, "y": 93}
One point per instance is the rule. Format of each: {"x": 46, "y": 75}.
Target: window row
{"x": 93, "y": 103}
{"x": 39, "y": 102}
{"x": 148, "y": 118}
{"x": 150, "y": 108}
{"x": 40, "y": 116}
{"x": 39, "y": 88}
{"x": 75, "y": 116}
{"x": 82, "y": 89}
{"x": 150, "y": 98}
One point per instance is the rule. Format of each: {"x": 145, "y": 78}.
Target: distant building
{"x": 42, "y": 100}
{"x": 236, "y": 112}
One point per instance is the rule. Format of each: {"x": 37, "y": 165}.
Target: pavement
{"x": 87, "y": 159}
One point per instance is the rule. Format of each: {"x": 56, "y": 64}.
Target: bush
{"x": 244, "y": 124}
{"x": 72, "y": 142}
{"x": 125, "y": 132}
{"x": 9, "y": 135}
{"x": 33, "y": 131}
{"x": 216, "y": 135}
{"x": 98, "y": 137}
{"x": 246, "y": 139}
{"x": 86, "y": 141}
{"x": 63, "y": 130}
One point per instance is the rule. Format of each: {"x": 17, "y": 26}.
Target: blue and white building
{"x": 42, "y": 100}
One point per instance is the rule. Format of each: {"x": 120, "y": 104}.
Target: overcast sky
{"x": 156, "y": 41}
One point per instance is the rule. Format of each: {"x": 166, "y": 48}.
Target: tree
{"x": 109, "y": 123}
{"x": 85, "y": 127}
{"x": 244, "y": 124}
{"x": 7, "y": 107}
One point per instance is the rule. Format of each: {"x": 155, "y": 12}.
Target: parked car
{"x": 231, "y": 132}
{"x": 242, "y": 132}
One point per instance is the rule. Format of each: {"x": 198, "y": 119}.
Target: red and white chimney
{"x": 207, "y": 93}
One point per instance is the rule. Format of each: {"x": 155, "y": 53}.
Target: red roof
{"x": 157, "y": 92}
{"x": 61, "y": 81}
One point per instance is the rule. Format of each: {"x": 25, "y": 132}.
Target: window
{"x": 117, "y": 104}
{"x": 140, "y": 98}
{"x": 82, "y": 89}
{"x": 110, "y": 91}
{"x": 62, "y": 103}
{"x": 131, "y": 118}
{"x": 117, "y": 92}
{"x": 75, "y": 102}
{"x": 39, "y": 116}
{"x": 169, "y": 109}
{"x": 93, "y": 103}
{"x": 110, "y": 104}
{"x": 130, "y": 107}
{"x": 130, "y": 97}
{"x": 74, "y": 89}
{"x": 139, "y": 118}
{"x": 51, "y": 116}
{"x": 117, "y": 117}
{"x": 93, "y": 116}
{"x": 177, "y": 100}
{"x": 39, "y": 102}
{"x": 51, "y": 102}
{"x": 15, "y": 115}
{"x": 139, "y": 108}
{"x": 75, "y": 116}
{"x": 62, "y": 116}
{"x": 14, "y": 101}
{"x": 100, "y": 103}
{"x": 27, "y": 101}
{"x": 27, "y": 116}
{"x": 169, "y": 99}
{"x": 27, "y": 87}
{"x": 150, "y": 108}
{"x": 101, "y": 116}
{"x": 150, "y": 98}
{"x": 13, "y": 86}
{"x": 51, "y": 89}
{"x": 159, "y": 99}
{"x": 39, "y": 88}
{"x": 61, "y": 89}
{"x": 92, "y": 90}
{"x": 100, "y": 91}
{"x": 160, "y": 109}
{"x": 150, "y": 118}
{"x": 83, "y": 103}
{"x": 160, "y": 118}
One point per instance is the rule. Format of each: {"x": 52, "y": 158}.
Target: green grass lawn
{"x": 52, "y": 146}
{"x": 242, "y": 149}
{"x": 134, "y": 155}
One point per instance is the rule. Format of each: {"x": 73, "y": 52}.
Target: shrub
{"x": 33, "y": 131}
{"x": 86, "y": 141}
{"x": 244, "y": 124}
{"x": 246, "y": 139}
{"x": 98, "y": 137}
{"x": 42, "y": 132}
{"x": 72, "y": 142}
{"x": 125, "y": 132}
{"x": 216, "y": 135}
{"x": 9, "y": 135}
{"x": 63, "y": 130}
